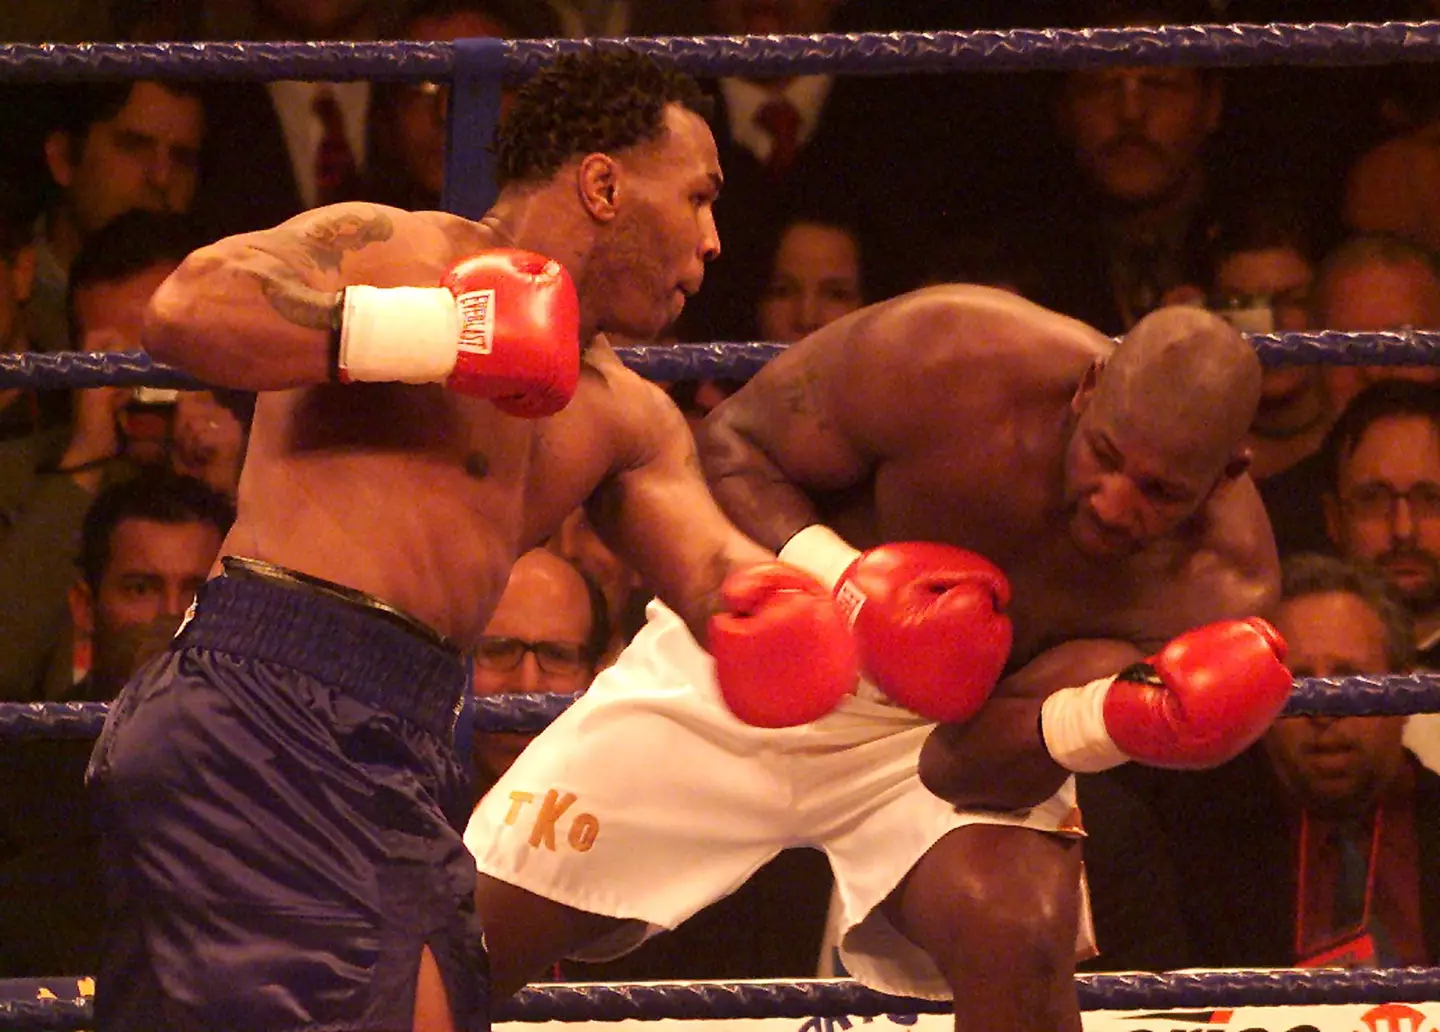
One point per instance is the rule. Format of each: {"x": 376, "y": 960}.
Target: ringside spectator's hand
{"x": 96, "y": 437}
{"x": 209, "y": 442}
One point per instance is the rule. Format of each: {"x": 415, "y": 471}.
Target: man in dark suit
{"x": 1136, "y": 143}
{"x": 1320, "y": 845}
{"x": 851, "y": 144}
{"x": 279, "y": 148}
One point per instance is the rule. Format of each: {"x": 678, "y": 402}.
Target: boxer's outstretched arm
{"x": 657, "y": 514}
{"x": 998, "y": 760}
{"x": 254, "y": 311}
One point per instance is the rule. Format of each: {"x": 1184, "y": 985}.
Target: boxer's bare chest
{"x": 449, "y": 470}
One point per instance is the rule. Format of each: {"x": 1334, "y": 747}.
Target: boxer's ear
{"x": 1239, "y": 462}
{"x": 597, "y": 181}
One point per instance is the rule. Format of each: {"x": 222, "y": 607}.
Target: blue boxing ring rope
{"x": 477, "y": 69}
{"x": 63, "y": 1004}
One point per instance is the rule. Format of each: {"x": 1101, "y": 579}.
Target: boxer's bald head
{"x": 1187, "y": 381}
{"x": 1159, "y": 425}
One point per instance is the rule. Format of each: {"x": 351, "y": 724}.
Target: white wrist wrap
{"x": 1072, "y": 723}
{"x": 404, "y": 334}
{"x": 820, "y": 552}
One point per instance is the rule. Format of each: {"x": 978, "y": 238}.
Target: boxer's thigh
{"x": 279, "y": 849}
{"x": 914, "y": 871}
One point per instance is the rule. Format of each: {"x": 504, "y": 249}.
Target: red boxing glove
{"x": 503, "y": 325}
{"x": 783, "y": 655}
{"x": 928, "y": 618}
{"x": 1200, "y": 701}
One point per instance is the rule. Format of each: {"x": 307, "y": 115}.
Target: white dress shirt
{"x": 744, "y": 99}
{"x": 294, "y": 101}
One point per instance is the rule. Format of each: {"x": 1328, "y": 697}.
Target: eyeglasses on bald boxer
{"x": 553, "y": 657}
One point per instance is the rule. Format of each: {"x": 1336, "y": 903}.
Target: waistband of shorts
{"x": 341, "y": 638}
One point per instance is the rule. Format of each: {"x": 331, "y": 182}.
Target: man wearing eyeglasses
{"x": 1383, "y": 499}
{"x": 1382, "y": 504}
{"x": 546, "y": 635}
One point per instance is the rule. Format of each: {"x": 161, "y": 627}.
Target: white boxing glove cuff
{"x": 402, "y": 334}
{"x": 1072, "y": 723}
{"x": 820, "y": 552}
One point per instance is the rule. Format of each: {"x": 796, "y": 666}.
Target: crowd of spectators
{"x": 1285, "y": 198}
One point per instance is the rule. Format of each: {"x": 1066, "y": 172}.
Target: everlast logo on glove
{"x": 850, "y": 599}
{"x": 477, "y": 327}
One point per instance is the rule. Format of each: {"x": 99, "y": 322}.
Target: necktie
{"x": 1353, "y": 854}
{"x": 1352, "y": 872}
{"x": 779, "y": 118}
{"x": 335, "y": 169}
{"x": 1145, "y": 278}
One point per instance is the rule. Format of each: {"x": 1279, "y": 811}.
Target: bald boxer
{"x": 1110, "y": 486}
{"x": 1107, "y": 484}
{"x": 277, "y": 792}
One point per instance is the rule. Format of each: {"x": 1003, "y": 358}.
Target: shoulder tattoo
{"x": 297, "y": 303}
{"x": 325, "y": 240}
{"x": 321, "y": 243}
{"x": 797, "y": 395}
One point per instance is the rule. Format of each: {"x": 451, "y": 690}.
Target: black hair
{"x": 1310, "y": 573}
{"x": 75, "y": 107}
{"x": 162, "y": 496}
{"x": 587, "y": 102}
{"x": 1378, "y": 401}
{"x": 126, "y": 246}
{"x": 130, "y": 244}
{"x": 1279, "y": 215}
{"x": 827, "y": 217}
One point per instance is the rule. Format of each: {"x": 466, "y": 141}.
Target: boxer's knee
{"x": 995, "y": 902}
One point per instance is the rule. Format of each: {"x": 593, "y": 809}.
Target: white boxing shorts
{"x": 648, "y": 800}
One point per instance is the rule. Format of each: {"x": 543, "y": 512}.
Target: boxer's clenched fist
{"x": 929, "y": 619}
{"x": 504, "y": 324}
{"x": 783, "y": 655}
{"x": 1201, "y": 700}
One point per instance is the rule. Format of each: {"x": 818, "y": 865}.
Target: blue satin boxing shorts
{"x": 278, "y": 799}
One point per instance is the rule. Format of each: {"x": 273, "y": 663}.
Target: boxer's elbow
{"x": 940, "y": 768}
{"x": 166, "y": 327}
{"x": 174, "y": 320}
{"x": 986, "y": 765}
{"x": 947, "y": 769}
